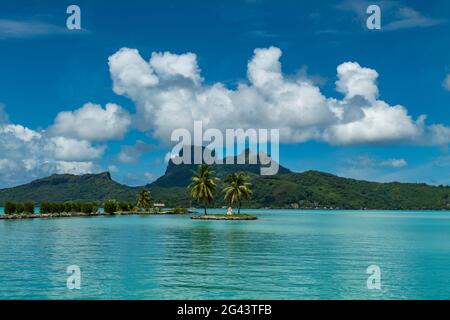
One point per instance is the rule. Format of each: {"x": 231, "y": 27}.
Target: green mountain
{"x": 287, "y": 189}
{"x": 180, "y": 175}
{"x": 311, "y": 189}
{"x": 66, "y": 187}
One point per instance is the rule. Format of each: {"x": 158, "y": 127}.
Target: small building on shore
{"x": 159, "y": 206}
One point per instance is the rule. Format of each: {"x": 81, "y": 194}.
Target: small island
{"x": 203, "y": 188}
{"x": 234, "y": 217}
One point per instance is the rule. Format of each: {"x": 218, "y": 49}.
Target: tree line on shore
{"x": 51, "y": 207}
{"x": 19, "y": 208}
{"x": 143, "y": 203}
{"x": 109, "y": 206}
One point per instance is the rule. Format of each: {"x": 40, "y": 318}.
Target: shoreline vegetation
{"x": 81, "y": 214}
{"x": 144, "y": 206}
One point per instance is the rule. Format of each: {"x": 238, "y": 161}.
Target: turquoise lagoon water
{"x": 283, "y": 255}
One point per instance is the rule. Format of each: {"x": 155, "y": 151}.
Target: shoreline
{"x": 80, "y": 214}
{"x": 197, "y": 217}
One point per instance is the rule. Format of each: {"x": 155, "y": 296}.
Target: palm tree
{"x": 144, "y": 199}
{"x": 238, "y": 188}
{"x": 203, "y": 185}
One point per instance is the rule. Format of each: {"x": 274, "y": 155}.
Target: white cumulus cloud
{"x": 26, "y": 154}
{"x": 169, "y": 93}
{"x": 20, "y": 132}
{"x": 75, "y": 150}
{"x": 380, "y": 123}
{"x": 355, "y": 80}
{"x": 172, "y": 65}
{"x": 92, "y": 122}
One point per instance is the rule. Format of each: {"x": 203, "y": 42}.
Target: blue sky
{"x": 47, "y": 69}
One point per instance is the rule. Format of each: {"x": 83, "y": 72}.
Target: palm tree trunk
{"x": 205, "y": 211}
{"x": 239, "y": 208}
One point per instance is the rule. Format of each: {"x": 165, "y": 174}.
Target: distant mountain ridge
{"x": 67, "y": 187}
{"x": 310, "y": 189}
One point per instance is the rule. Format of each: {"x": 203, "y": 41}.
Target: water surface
{"x": 283, "y": 255}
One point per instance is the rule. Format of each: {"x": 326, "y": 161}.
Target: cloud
{"x": 265, "y": 67}
{"x": 70, "y": 145}
{"x": 92, "y": 122}
{"x": 366, "y": 162}
{"x": 446, "y": 83}
{"x": 394, "y": 163}
{"x": 168, "y": 65}
{"x": 25, "y": 144}
{"x": 169, "y": 98}
{"x": 380, "y": 123}
{"x": 131, "y": 154}
{"x": 169, "y": 92}
{"x": 366, "y": 167}
{"x": 438, "y": 134}
{"x": 20, "y": 132}
{"x": 29, "y": 29}
{"x": 132, "y": 74}
{"x": 26, "y": 154}
{"x": 269, "y": 100}
{"x": 75, "y": 167}
{"x": 75, "y": 150}
{"x": 410, "y": 18}
{"x": 357, "y": 81}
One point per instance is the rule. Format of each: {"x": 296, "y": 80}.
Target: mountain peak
{"x": 105, "y": 175}
{"x": 66, "y": 177}
{"x": 180, "y": 175}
